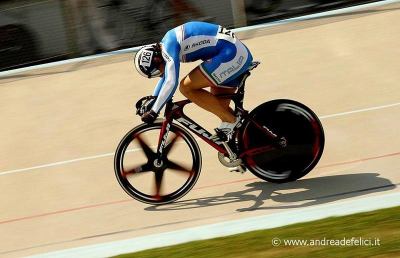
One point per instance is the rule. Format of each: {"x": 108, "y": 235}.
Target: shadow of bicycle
{"x": 301, "y": 193}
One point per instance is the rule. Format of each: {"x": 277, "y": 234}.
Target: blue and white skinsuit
{"x": 225, "y": 57}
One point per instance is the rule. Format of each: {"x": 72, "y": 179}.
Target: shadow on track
{"x": 297, "y": 194}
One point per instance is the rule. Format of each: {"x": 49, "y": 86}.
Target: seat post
{"x": 239, "y": 96}
{"x": 243, "y": 83}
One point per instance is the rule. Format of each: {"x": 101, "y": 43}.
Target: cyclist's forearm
{"x": 168, "y": 87}
{"x": 157, "y": 89}
{"x": 163, "y": 98}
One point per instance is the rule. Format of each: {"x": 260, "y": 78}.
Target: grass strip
{"x": 379, "y": 231}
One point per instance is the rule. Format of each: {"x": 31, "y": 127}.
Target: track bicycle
{"x": 279, "y": 141}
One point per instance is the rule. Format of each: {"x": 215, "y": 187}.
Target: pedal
{"x": 240, "y": 169}
{"x": 221, "y": 135}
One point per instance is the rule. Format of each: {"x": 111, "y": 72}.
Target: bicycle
{"x": 279, "y": 141}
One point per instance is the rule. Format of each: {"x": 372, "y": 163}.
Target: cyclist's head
{"x": 149, "y": 61}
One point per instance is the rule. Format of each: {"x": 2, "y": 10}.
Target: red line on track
{"x": 196, "y": 188}
{"x": 64, "y": 211}
{"x": 359, "y": 160}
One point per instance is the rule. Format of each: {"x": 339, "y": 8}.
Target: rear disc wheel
{"x": 302, "y": 133}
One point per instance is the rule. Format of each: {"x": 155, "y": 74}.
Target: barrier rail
{"x": 36, "y": 32}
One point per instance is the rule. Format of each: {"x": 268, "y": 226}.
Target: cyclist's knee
{"x": 184, "y": 88}
{"x": 192, "y": 82}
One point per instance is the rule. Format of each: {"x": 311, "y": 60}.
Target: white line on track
{"x": 112, "y": 153}
{"x": 62, "y": 162}
{"x": 269, "y": 221}
{"x": 360, "y": 110}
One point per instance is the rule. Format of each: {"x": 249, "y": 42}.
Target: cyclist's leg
{"x": 231, "y": 62}
{"x": 192, "y": 87}
{"x": 217, "y": 91}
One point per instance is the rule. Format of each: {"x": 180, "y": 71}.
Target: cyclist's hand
{"x": 149, "y": 117}
{"x": 144, "y": 104}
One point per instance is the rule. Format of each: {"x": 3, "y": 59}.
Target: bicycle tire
{"x": 301, "y": 128}
{"x": 133, "y": 191}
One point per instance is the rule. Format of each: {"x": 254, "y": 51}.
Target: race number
{"x": 227, "y": 32}
{"x": 146, "y": 57}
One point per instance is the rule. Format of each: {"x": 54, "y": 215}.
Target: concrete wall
{"x": 44, "y": 19}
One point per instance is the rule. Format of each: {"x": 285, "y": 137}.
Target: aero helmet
{"x": 148, "y": 60}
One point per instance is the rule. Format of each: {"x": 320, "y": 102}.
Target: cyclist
{"x": 224, "y": 57}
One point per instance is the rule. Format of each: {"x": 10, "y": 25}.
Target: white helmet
{"x": 148, "y": 60}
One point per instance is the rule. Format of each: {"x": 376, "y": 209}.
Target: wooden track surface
{"x": 66, "y": 113}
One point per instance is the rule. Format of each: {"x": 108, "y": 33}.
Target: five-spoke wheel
{"x": 152, "y": 179}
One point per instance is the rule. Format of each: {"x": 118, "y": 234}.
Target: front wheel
{"x": 151, "y": 180}
{"x": 301, "y": 131}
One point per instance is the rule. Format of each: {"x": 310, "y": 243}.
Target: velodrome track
{"x": 61, "y": 125}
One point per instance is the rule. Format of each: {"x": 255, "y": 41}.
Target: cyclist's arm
{"x": 158, "y": 87}
{"x": 168, "y": 84}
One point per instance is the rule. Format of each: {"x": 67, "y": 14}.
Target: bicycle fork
{"x": 161, "y": 143}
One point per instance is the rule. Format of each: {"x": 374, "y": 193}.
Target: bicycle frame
{"x": 258, "y": 144}
{"x": 174, "y": 111}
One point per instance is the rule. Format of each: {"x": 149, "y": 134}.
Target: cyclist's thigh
{"x": 232, "y": 61}
{"x": 195, "y": 80}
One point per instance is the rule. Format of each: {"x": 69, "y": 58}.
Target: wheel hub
{"x": 158, "y": 163}
{"x": 282, "y": 142}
